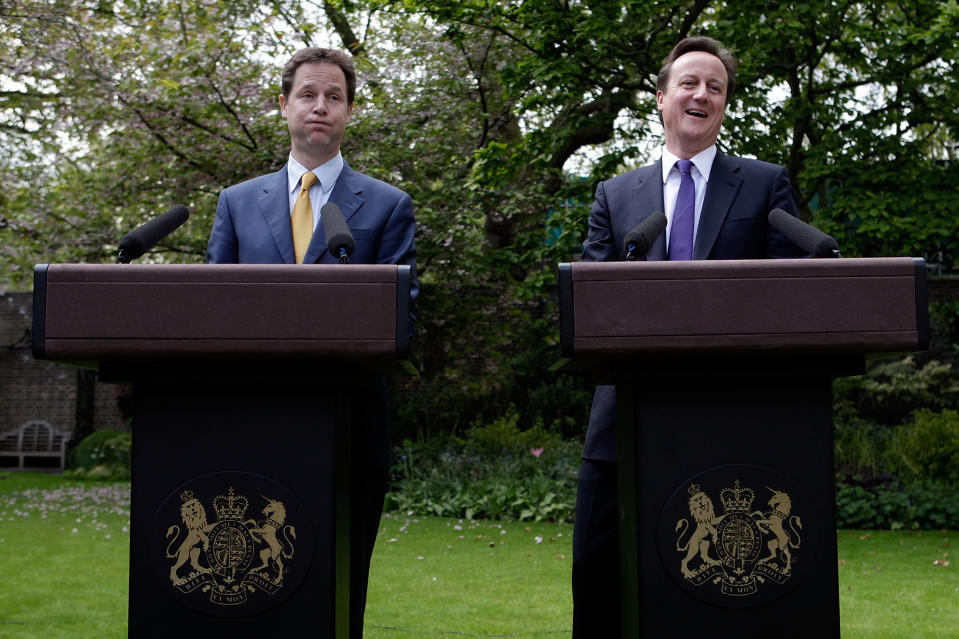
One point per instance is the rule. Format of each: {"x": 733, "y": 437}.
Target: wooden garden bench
{"x": 36, "y": 444}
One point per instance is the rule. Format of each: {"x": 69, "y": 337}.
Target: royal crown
{"x": 737, "y": 498}
{"x": 230, "y": 506}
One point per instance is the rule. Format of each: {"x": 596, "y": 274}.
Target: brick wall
{"x": 40, "y": 390}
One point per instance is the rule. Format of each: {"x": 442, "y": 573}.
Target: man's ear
{"x": 282, "y": 106}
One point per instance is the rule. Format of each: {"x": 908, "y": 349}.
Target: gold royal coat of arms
{"x": 741, "y": 548}
{"x": 232, "y": 556}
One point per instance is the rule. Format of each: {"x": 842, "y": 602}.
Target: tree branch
{"x": 342, "y": 26}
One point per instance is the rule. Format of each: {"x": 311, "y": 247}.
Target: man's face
{"x": 694, "y": 103}
{"x": 316, "y": 112}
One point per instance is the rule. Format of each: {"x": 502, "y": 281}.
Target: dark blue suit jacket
{"x": 252, "y": 223}
{"x": 252, "y": 226}
{"x": 733, "y": 225}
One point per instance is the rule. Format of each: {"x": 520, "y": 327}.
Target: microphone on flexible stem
{"x": 641, "y": 238}
{"x": 143, "y": 238}
{"x": 339, "y": 240}
{"x": 805, "y": 236}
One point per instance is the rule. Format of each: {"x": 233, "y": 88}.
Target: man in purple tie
{"x": 716, "y": 208}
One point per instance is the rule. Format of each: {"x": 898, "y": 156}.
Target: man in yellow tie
{"x": 255, "y": 220}
{"x": 275, "y": 219}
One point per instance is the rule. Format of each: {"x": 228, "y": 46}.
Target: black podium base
{"x": 240, "y": 507}
{"x": 727, "y": 501}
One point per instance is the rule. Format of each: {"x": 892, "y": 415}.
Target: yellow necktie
{"x": 302, "y": 219}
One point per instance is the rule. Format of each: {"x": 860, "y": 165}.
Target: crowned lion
{"x": 702, "y": 511}
{"x": 194, "y": 518}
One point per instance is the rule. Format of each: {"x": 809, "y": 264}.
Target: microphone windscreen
{"x": 641, "y": 238}
{"x": 337, "y": 231}
{"x": 143, "y": 238}
{"x": 807, "y": 237}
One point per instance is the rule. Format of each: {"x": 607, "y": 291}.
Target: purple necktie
{"x": 681, "y": 235}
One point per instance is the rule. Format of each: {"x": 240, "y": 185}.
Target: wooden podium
{"x": 242, "y": 381}
{"x": 723, "y": 373}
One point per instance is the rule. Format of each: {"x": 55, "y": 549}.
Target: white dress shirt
{"x": 326, "y": 175}
{"x": 702, "y": 164}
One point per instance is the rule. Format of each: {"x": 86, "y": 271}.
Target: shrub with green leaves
{"x": 944, "y": 322}
{"x": 892, "y": 390}
{"x": 497, "y": 471}
{"x": 927, "y": 504}
{"x": 926, "y": 447}
{"x": 898, "y": 476}
{"x": 104, "y": 454}
{"x": 860, "y": 445}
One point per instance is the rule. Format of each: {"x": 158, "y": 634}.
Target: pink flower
{"x": 536, "y": 451}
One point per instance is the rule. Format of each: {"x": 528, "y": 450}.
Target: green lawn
{"x": 63, "y": 553}
{"x": 435, "y": 577}
{"x": 898, "y": 584}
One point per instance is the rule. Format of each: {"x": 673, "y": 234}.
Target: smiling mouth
{"x": 696, "y": 113}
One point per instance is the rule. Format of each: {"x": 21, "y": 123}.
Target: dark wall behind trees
{"x": 497, "y": 116}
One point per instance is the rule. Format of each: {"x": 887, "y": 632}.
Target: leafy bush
{"x": 496, "y": 472}
{"x": 944, "y": 324}
{"x": 890, "y": 391}
{"x": 897, "y": 476}
{"x": 858, "y": 506}
{"x": 104, "y": 454}
{"x": 505, "y": 435}
{"x": 859, "y": 445}
{"x": 927, "y": 446}
{"x": 479, "y": 358}
{"x": 562, "y": 401}
{"x": 928, "y": 504}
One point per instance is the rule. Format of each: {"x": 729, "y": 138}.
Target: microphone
{"x": 339, "y": 240}
{"x": 143, "y": 238}
{"x": 805, "y": 236}
{"x": 641, "y": 238}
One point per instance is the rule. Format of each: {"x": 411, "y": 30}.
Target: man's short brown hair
{"x": 700, "y": 43}
{"x": 316, "y": 54}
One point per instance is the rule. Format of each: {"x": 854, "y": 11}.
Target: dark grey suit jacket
{"x": 733, "y": 225}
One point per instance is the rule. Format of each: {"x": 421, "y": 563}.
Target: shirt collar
{"x": 702, "y": 160}
{"x": 326, "y": 172}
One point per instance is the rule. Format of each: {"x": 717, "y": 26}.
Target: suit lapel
{"x": 647, "y": 196}
{"x": 274, "y": 203}
{"x": 346, "y": 195}
{"x": 724, "y": 183}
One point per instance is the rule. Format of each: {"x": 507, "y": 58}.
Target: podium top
{"x": 88, "y": 314}
{"x": 851, "y": 305}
